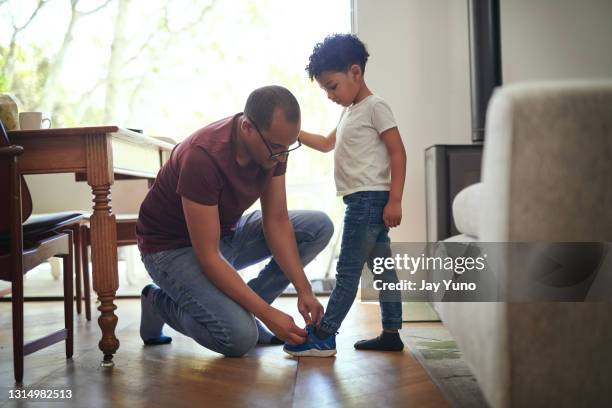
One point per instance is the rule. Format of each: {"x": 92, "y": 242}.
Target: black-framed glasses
{"x": 274, "y": 155}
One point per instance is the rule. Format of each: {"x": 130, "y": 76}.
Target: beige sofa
{"x": 546, "y": 176}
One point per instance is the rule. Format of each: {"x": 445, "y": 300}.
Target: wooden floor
{"x": 184, "y": 374}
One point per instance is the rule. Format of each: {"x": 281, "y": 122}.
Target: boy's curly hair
{"x": 337, "y": 53}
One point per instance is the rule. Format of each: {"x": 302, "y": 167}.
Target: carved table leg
{"x": 103, "y": 234}
{"x": 105, "y": 279}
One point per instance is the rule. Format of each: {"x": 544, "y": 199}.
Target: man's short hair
{"x": 337, "y": 53}
{"x": 262, "y": 102}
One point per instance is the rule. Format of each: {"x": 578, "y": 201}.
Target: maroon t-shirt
{"x": 202, "y": 168}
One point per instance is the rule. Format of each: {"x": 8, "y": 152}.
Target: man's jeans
{"x": 364, "y": 238}
{"x": 191, "y": 304}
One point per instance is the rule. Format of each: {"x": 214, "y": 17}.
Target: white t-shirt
{"x": 361, "y": 160}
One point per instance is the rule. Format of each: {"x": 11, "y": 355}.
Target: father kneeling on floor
{"x": 193, "y": 235}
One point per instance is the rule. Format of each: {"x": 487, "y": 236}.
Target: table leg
{"x": 103, "y": 239}
{"x": 104, "y": 265}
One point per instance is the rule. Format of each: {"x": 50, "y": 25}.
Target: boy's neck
{"x": 363, "y": 93}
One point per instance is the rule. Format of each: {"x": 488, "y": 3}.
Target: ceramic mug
{"x": 33, "y": 120}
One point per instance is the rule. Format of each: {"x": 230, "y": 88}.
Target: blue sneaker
{"x": 313, "y": 346}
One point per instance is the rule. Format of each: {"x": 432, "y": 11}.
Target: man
{"x": 193, "y": 236}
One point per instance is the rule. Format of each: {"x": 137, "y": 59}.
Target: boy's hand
{"x": 392, "y": 214}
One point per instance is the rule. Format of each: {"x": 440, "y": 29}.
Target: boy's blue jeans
{"x": 191, "y": 304}
{"x": 365, "y": 237}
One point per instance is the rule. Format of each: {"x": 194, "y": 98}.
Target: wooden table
{"x": 98, "y": 155}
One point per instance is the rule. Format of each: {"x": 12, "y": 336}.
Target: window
{"x": 170, "y": 67}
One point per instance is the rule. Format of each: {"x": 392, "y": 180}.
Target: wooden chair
{"x": 24, "y": 246}
{"x": 126, "y": 235}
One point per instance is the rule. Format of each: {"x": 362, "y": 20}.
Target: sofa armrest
{"x": 546, "y": 162}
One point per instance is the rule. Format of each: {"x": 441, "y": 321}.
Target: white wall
{"x": 419, "y": 62}
{"x": 554, "y": 39}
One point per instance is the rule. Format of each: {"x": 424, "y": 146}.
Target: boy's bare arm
{"x": 319, "y": 142}
{"x": 397, "y": 155}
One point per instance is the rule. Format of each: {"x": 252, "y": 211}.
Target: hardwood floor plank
{"x": 186, "y": 374}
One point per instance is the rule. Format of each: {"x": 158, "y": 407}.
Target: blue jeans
{"x": 365, "y": 237}
{"x": 191, "y": 304}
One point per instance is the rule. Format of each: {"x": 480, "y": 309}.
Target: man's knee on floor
{"x": 324, "y": 224}
{"x": 240, "y": 339}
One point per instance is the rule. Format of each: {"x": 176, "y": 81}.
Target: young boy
{"x": 369, "y": 170}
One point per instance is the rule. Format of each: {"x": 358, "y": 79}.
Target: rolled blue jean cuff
{"x": 392, "y": 324}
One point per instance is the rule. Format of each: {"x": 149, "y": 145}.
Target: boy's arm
{"x": 319, "y": 142}
{"x": 392, "y": 214}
